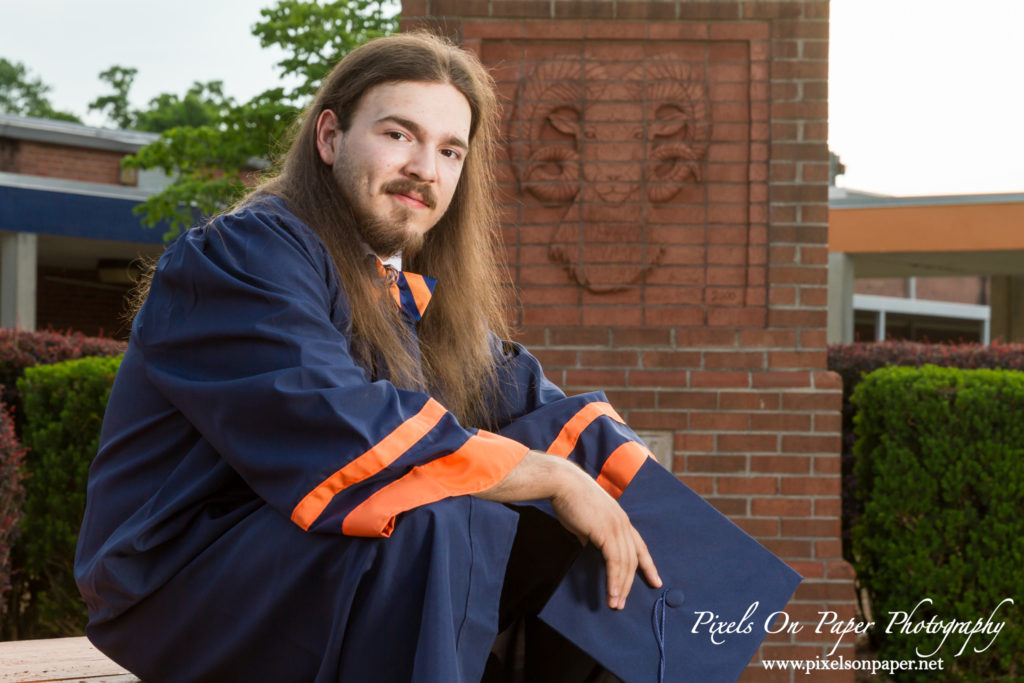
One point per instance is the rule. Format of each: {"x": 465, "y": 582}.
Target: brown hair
{"x": 458, "y": 363}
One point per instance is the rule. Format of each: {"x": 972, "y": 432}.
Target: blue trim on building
{"x": 74, "y": 215}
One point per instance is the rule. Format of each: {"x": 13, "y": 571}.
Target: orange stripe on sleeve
{"x": 383, "y": 453}
{"x": 420, "y": 292}
{"x": 570, "y": 434}
{"x": 477, "y": 465}
{"x": 621, "y": 466}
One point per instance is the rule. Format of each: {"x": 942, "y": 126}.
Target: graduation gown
{"x": 260, "y": 509}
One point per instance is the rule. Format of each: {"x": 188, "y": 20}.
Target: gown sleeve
{"x": 521, "y": 386}
{"x": 244, "y": 333}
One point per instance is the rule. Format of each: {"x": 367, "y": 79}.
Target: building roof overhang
{"x": 73, "y": 134}
{"x": 928, "y": 236}
{"x": 68, "y": 208}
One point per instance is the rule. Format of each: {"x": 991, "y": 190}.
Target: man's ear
{"x": 327, "y": 135}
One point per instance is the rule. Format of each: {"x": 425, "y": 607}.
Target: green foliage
{"x": 20, "y": 349}
{"x": 25, "y": 95}
{"x": 202, "y": 105}
{"x": 940, "y": 462}
{"x": 213, "y": 160}
{"x": 853, "y": 361}
{"x": 316, "y": 36}
{"x": 64, "y": 406}
{"x": 116, "y": 104}
{"x": 210, "y": 163}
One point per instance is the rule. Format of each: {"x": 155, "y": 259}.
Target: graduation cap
{"x": 712, "y": 573}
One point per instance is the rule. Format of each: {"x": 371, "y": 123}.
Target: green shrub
{"x": 940, "y": 465}
{"x": 20, "y": 349}
{"x": 853, "y": 361}
{"x": 64, "y": 405}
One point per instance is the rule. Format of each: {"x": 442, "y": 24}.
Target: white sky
{"x": 67, "y": 43}
{"x": 926, "y": 96}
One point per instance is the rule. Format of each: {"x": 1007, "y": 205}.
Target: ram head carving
{"x": 605, "y": 141}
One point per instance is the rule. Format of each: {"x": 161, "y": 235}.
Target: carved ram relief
{"x": 601, "y": 142}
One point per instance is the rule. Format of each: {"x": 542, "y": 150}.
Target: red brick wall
{"x": 682, "y": 268}
{"x": 72, "y": 163}
{"x": 76, "y": 300}
{"x": 964, "y": 290}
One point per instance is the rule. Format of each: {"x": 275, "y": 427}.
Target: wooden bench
{"x": 58, "y": 659}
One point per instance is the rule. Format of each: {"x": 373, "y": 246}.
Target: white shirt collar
{"x": 394, "y": 261}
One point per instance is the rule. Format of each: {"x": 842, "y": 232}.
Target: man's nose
{"x": 422, "y": 163}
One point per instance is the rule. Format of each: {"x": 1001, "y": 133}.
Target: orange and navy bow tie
{"x": 411, "y": 292}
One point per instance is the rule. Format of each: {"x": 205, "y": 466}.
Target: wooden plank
{"x": 58, "y": 659}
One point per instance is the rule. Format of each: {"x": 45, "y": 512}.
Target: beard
{"x": 386, "y": 234}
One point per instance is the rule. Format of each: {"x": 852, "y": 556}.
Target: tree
{"x": 211, "y": 161}
{"x": 202, "y": 105}
{"x": 116, "y": 104}
{"x": 25, "y": 95}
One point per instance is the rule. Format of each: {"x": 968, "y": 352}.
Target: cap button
{"x": 674, "y": 597}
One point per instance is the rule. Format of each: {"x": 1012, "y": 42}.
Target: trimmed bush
{"x": 940, "y": 465}
{"x": 853, "y": 361}
{"x": 12, "y": 496}
{"x": 20, "y": 349}
{"x": 64, "y": 406}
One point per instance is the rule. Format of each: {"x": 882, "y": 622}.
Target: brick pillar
{"x": 666, "y": 220}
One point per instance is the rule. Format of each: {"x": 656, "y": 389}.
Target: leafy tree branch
{"x": 213, "y": 160}
{"x": 26, "y": 95}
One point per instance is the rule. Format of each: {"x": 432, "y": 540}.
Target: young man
{"x": 299, "y": 475}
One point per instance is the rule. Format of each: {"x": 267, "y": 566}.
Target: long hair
{"x": 458, "y": 362}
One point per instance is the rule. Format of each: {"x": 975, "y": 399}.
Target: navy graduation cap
{"x": 712, "y": 571}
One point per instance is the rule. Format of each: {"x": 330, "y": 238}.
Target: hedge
{"x": 940, "y": 465}
{"x": 20, "y": 349}
{"x": 64, "y": 406}
{"x": 853, "y": 361}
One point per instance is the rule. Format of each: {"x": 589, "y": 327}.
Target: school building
{"x": 68, "y": 233}
{"x": 941, "y": 269}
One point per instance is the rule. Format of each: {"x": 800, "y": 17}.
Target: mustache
{"x": 407, "y": 186}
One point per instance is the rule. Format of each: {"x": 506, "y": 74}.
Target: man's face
{"x": 400, "y": 160}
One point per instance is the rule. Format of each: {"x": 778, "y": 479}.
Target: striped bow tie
{"x": 410, "y": 291}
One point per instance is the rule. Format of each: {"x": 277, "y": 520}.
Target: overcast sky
{"x": 925, "y": 95}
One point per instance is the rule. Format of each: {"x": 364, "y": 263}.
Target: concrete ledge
{"x": 58, "y": 659}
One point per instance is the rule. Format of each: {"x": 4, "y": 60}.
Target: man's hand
{"x": 585, "y": 509}
{"x": 588, "y": 511}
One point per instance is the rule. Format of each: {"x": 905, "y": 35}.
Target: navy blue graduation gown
{"x": 260, "y": 509}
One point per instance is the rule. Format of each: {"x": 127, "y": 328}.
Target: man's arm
{"x": 585, "y": 509}
{"x": 245, "y": 333}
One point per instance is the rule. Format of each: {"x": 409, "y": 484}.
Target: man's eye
{"x": 395, "y": 135}
{"x": 451, "y": 154}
